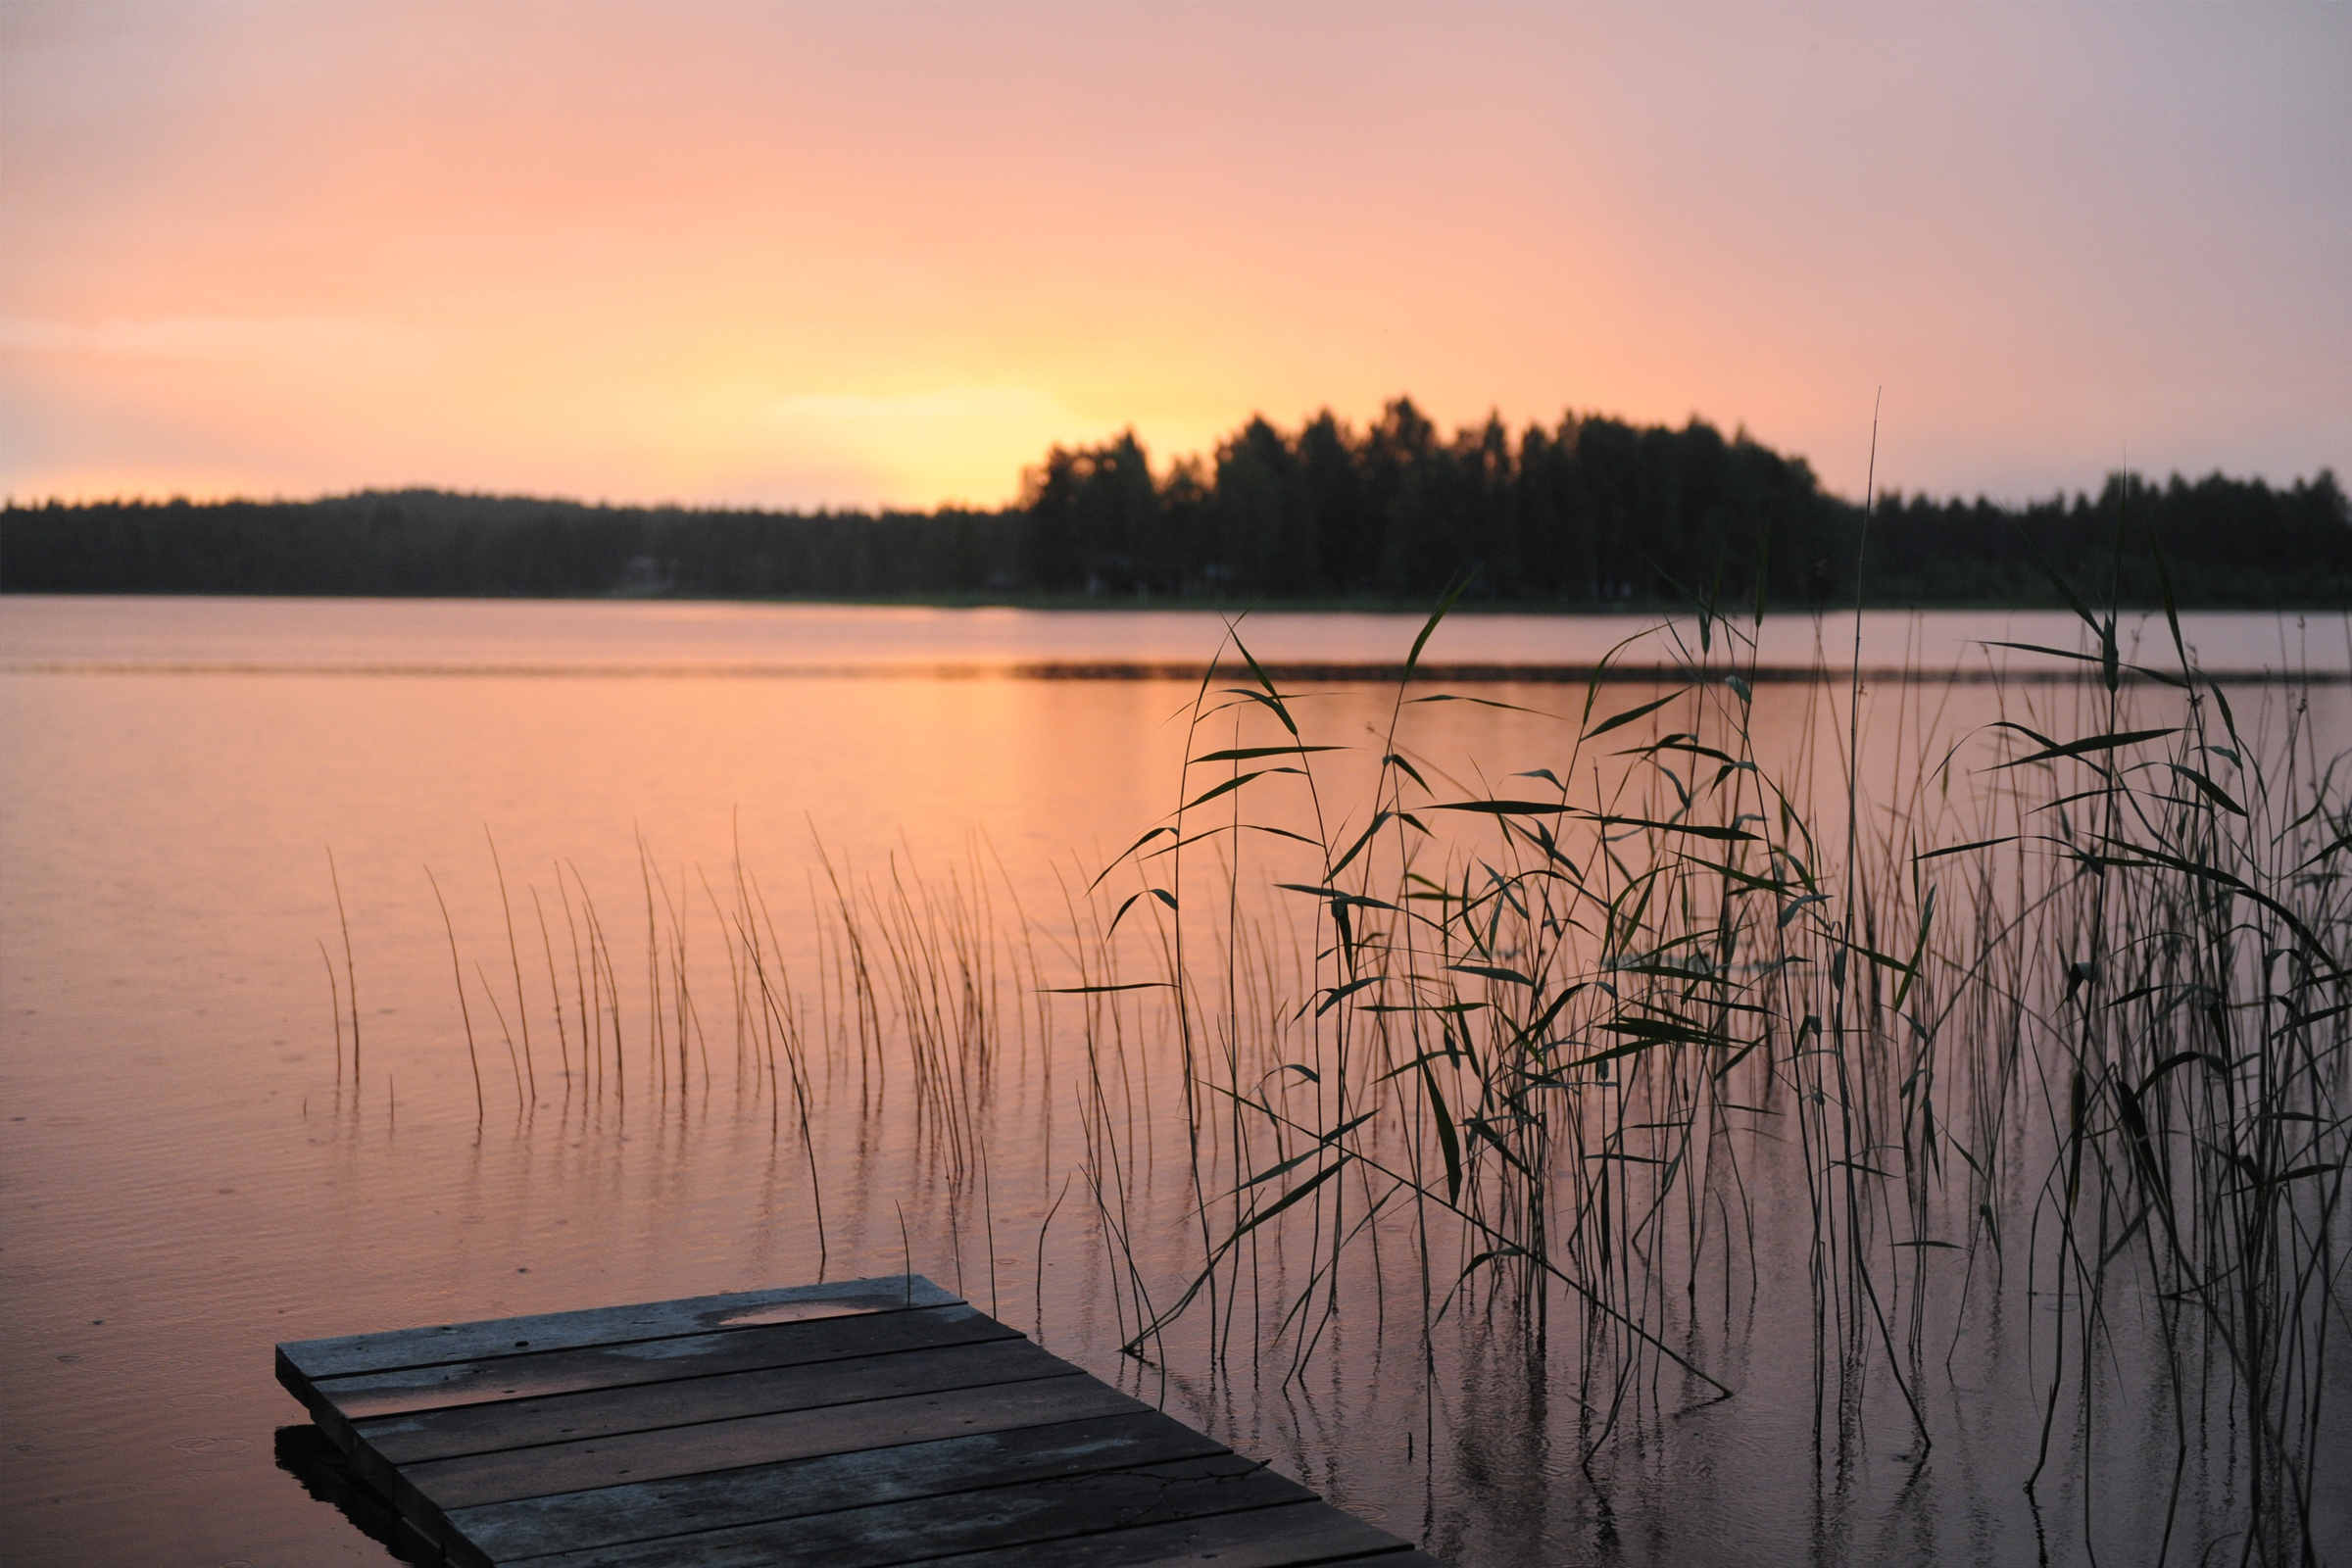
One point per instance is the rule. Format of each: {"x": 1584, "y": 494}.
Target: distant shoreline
{"x": 1283, "y": 671}
{"x": 1592, "y": 516}
{"x": 1355, "y": 605}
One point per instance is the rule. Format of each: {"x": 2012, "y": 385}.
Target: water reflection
{"x": 310, "y": 1457}
{"x": 215, "y": 1173}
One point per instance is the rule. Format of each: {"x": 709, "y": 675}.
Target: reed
{"x": 351, "y": 972}
{"x": 522, "y": 1014}
{"x": 554, "y": 988}
{"x": 334, "y": 1009}
{"x": 522, "y": 1104}
{"x": 466, "y": 1015}
{"x": 1543, "y": 1057}
{"x": 1554, "y": 1061}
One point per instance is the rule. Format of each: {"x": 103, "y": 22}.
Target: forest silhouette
{"x": 1590, "y": 513}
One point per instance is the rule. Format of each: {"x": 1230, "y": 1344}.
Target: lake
{"x": 240, "y": 1104}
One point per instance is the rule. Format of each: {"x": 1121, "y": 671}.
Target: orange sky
{"x": 857, "y": 254}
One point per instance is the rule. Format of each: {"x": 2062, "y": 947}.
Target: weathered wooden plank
{"x": 349, "y": 1353}
{"x": 1021, "y": 1516}
{"x": 862, "y": 1424}
{"x": 405, "y": 1439}
{"x": 612, "y": 1515}
{"x": 446, "y": 1484}
{"x": 535, "y": 1374}
{"x": 1287, "y": 1536}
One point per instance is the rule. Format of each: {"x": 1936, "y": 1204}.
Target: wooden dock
{"x": 853, "y": 1425}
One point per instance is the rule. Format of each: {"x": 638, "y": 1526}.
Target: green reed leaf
{"x": 1700, "y": 830}
{"x": 1378, "y": 818}
{"x": 1492, "y": 972}
{"x": 2065, "y": 589}
{"x": 1505, "y": 808}
{"x": 1459, "y": 586}
{"x": 1483, "y": 701}
{"x": 1123, "y": 854}
{"x": 1406, "y": 768}
{"x": 1963, "y": 849}
{"x": 1631, "y": 715}
{"x": 2087, "y": 745}
{"x": 1246, "y": 754}
{"x": 1260, "y": 1216}
{"x": 1343, "y": 900}
{"x": 1449, "y": 1145}
{"x": 2211, "y": 791}
{"x": 1231, "y": 785}
{"x": 1339, "y": 994}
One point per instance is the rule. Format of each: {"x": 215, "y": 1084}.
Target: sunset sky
{"x": 861, "y": 254}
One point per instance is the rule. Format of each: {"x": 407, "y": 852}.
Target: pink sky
{"x": 861, "y": 254}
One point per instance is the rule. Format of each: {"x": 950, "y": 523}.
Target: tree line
{"x": 1590, "y": 512}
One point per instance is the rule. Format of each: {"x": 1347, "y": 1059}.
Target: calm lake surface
{"x": 194, "y": 1169}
